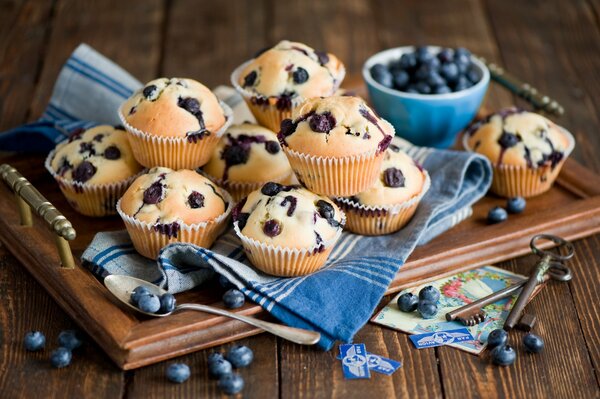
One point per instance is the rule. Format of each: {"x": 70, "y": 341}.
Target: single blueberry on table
{"x": 219, "y": 367}
{"x": 231, "y": 384}
{"x": 178, "y": 372}
{"x": 149, "y": 303}
{"x": 427, "y": 310}
{"x": 215, "y": 356}
{"x": 137, "y": 292}
{"x": 69, "y": 339}
{"x": 408, "y": 302}
{"x": 167, "y": 303}
{"x": 497, "y": 337}
{"x": 60, "y": 357}
{"x": 533, "y": 343}
{"x": 429, "y": 293}
{"x": 240, "y": 356}
{"x": 34, "y": 341}
{"x": 503, "y": 355}
{"x": 516, "y": 205}
{"x": 382, "y": 75}
{"x": 497, "y": 215}
{"x": 223, "y": 281}
{"x": 233, "y": 299}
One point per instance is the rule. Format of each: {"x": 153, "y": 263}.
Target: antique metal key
{"x": 549, "y": 260}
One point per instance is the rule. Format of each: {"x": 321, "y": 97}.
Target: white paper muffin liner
{"x": 148, "y": 241}
{"x": 176, "y": 153}
{"x": 522, "y": 181}
{"x": 284, "y": 261}
{"x": 239, "y": 190}
{"x": 384, "y": 219}
{"x": 269, "y": 115}
{"x": 336, "y": 177}
{"x": 95, "y": 200}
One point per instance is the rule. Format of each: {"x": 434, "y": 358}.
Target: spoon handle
{"x": 297, "y": 335}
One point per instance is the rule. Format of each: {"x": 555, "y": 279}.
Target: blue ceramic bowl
{"x": 431, "y": 120}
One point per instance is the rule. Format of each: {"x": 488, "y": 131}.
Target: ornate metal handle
{"x": 29, "y": 197}
{"x": 523, "y": 90}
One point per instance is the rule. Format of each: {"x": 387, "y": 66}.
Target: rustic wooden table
{"x": 555, "y": 45}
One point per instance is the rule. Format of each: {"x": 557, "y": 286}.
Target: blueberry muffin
{"x": 335, "y": 144}
{"x": 246, "y": 158}
{"x": 389, "y": 204}
{"x": 526, "y": 150}
{"x": 278, "y": 79}
{"x": 174, "y": 123}
{"x": 93, "y": 168}
{"x": 165, "y": 206}
{"x": 287, "y": 230}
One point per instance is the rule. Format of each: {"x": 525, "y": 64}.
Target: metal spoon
{"x": 122, "y": 286}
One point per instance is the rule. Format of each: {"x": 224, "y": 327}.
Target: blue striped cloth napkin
{"x": 338, "y": 299}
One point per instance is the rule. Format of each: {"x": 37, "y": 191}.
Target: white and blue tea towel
{"x": 336, "y": 300}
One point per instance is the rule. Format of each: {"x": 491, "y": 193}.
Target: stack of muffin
{"x": 338, "y": 150}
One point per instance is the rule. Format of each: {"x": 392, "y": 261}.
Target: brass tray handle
{"x": 523, "y": 90}
{"x": 29, "y": 197}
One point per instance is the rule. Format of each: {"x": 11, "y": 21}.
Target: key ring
{"x": 560, "y": 242}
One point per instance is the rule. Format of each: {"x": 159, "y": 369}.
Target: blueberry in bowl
{"x": 433, "y": 92}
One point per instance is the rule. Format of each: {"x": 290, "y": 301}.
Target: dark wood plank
{"x": 27, "y": 306}
{"x": 126, "y": 32}
{"x": 24, "y": 26}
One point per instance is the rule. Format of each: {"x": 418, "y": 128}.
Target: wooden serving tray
{"x": 571, "y": 209}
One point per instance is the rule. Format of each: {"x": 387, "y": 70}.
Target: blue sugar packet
{"x": 382, "y": 364}
{"x": 439, "y": 338}
{"x": 354, "y": 361}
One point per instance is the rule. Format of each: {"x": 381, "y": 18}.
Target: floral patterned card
{"x": 457, "y": 290}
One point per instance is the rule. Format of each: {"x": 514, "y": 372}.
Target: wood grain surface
{"x": 555, "y": 45}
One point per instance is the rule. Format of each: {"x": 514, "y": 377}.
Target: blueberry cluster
{"x": 68, "y": 341}
{"x": 503, "y": 354}
{"x": 426, "y": 72}
{"x": 221, "y": 367}
{"x": 513, "y": 205}
{"x": 426, "y": 303}
{"x": 144, "y": 300}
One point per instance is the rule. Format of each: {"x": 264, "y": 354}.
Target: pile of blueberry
{"x": 513, "y": 205}
{"x": 426, "y": 303}
{"x": 219, "y": 367}
{"x": 426, "y": 72}
{"x": 147, "y": 302}
{"x": 68, "y": 341}
{"x": 503, "y": 354}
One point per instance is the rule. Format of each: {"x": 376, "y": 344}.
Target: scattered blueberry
{"x": 429, "y": 293}
{"x": 427, "y": 310}
{"x": 167, "y": 303}
{"x": 215, "y": 356}
{"x": 34, "y": 341}
{"x": 137, "y": 292}
{"x": 149, "y": 303}
{"x": 178, "y": 372}
{"x": 219, "y": 367}
{"x": 408, "y": 302}
{"x": 240, "y": 356}
{"x": 233, "y": 298}
{"x": 503, "y": 355}
{"x": 497, "y": 215}
{"x": 382, "y": 75}
{"x": 497, "y": 337}
{"x": 516, "y": 205}
{"x": 60, "y": 357}
{"x": 69, "y": 339}
{"x": 223, "y": 281}
{"x": 533, "y": 343}
{"x": 231, "y": 384}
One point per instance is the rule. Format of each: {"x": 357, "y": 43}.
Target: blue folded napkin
{"x": 336, "y": 300}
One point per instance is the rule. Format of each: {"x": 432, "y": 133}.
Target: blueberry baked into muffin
{"x": 93, "y": 168}
{"x": 247, "y": 157}
{"x": 287, "y": 230}
{"x": 174, "y": 123}
{"x": 389, "y": 204}
{"x": 335, "y": 144}
{"x": 526, "y": 150}
{"x": 165, "y": 206}
{"x": 278, "y": 79}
